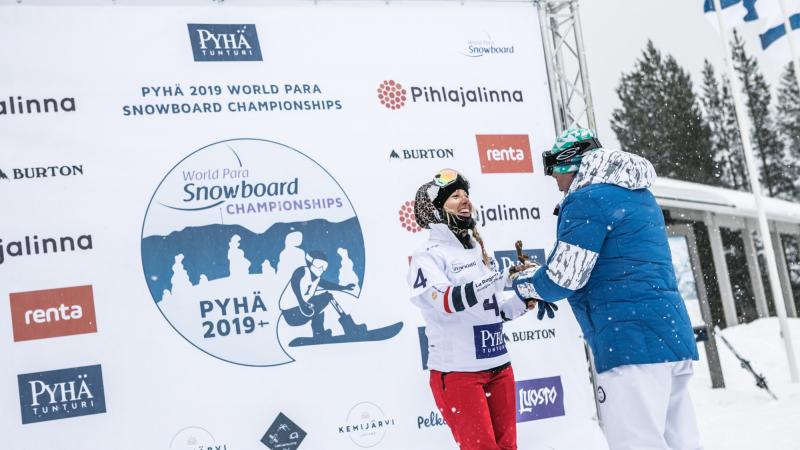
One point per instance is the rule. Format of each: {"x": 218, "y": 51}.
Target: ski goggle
{"x": 316, "y": 262}
{"x": 445, "y": 177}
{"x": 565, "y": 157}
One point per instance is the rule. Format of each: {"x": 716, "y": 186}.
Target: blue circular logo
{"x": 250, "y": 248}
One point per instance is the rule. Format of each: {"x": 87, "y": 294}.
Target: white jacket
{"x": 462, "y": 303}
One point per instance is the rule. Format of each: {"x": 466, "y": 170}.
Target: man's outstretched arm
{"x": 581, "y": 232}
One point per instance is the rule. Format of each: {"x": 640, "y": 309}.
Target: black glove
{"x": 549, "y": 308}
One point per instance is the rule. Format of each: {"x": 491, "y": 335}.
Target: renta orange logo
{"x": 52, "y": 312}
{"x": 504, "y": 153}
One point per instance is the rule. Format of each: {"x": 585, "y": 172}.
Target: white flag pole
{"x": 788, "y": 26}
{"x": 755, "y": 187}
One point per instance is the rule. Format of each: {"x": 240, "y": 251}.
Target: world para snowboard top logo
{"x": 251, "y": 249}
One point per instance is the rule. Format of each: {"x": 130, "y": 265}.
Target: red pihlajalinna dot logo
{"x": 391, "y": 94}
{"x": 407, "y": 218}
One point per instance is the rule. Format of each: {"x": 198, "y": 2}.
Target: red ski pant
{"x": 479, "y": 407}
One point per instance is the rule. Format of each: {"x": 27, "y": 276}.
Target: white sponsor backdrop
{"x": 171, "y": 382}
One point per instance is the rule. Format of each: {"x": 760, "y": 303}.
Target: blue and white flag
{"x": 734, "y": 12}
{"x": 773, "y": 34}
{"x": 770, "y": 11}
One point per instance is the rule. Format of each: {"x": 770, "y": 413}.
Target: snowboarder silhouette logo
{"x": 240, "y": 264}
{"x": 313, "y": 294}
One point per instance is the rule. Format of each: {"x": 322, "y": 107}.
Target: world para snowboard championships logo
{"x": 251, "y": 250}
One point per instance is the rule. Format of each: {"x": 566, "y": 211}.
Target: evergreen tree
{"x": 713, "y": 108}
{"x": 726, "y": 143}
{"x": 776, "y": 178}
{"x": 740, "y": 176}
{"x": 788, "y": 119}
{"x": 660, "y": 119}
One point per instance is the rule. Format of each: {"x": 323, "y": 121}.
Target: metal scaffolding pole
{"x": 565, "y": 60}
{"x": 570, "y": 93}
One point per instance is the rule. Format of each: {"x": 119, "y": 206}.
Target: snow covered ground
{"x": 742, "y": 416}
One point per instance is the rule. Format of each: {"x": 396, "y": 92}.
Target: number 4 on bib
{"x": 491, "y": 304}
{"x": 421, "y": 280}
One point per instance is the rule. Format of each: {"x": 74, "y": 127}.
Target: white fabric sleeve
{"x": 430, "y": 287}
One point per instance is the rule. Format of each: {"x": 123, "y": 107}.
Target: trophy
{"x": 524, "y": 263}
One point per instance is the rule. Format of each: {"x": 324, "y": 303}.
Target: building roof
{"x": 672, "y": 193}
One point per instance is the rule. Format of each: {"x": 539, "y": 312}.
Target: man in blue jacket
{"x": 612, "y": 263}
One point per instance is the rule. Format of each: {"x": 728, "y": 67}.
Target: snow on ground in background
{"x": 742, "y": 416}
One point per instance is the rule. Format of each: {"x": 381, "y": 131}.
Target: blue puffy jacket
{"x": 613, "y": 263}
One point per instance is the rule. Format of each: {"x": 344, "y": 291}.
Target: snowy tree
{"x": 238, "y": 264}
{"x": 347, "y": 274}
{"x": 788, "y": 119}
{"x": 775, "y": 176}
{"x": 726, "y": 142}
{"x": 739, "y": 174}
{"x": 661, "y": 120}
{"x": 266, "y": 268}
{"x": 180, "y": 278}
